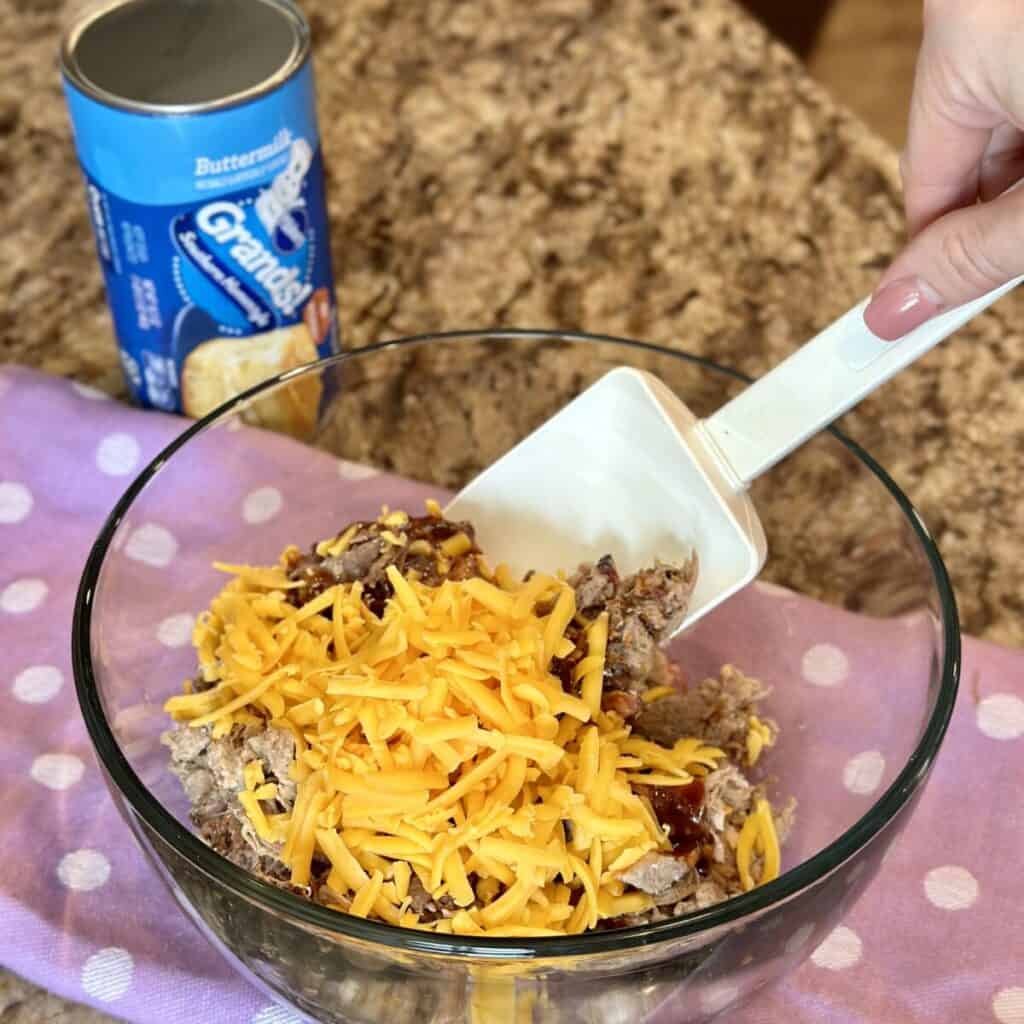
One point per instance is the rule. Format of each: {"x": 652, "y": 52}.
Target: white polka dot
{"x": 261, "y": 505}
{"x": 57, "y": 771}
{"x": 107, "y": 975}
{"x": 355, "y": 470}
{"x": 118, "y": 454}
{"x": 23, "y": 596}
{"x": 799, "y": 938}
{"x": 176, "y": 630}
{"x": 1001, "y": 716}
{"x": 154, "y": 545}
{"x": 88, "y": 391}
{"x": 1008, "y": 1005}
{"x": 951, "y": 888}
{"x": 83, "y": 870}
{"x": 825, "y": 665}
{"x": 862, "y": 774}
{"x": 842, "y": 948}
{"x": 15, "y": 502}
{"x": 718, "y": 996}
{"x": 275, "y": 1015}
{"x": 38, "y": 684}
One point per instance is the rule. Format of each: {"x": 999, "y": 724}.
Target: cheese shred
{"x": 758, "y": 839}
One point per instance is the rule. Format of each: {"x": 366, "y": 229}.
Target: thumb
{"x": 959, "y": 257}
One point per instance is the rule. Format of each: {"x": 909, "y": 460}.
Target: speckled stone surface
{"x": 657, "y": 170}
{"x": 22, "y": 1003}
{"x": 662, "y": 171}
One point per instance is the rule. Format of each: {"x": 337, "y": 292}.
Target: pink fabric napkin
{"x": 939, "y": 936}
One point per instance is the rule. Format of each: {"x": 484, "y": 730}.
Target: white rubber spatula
{"x": 626, "y": 469}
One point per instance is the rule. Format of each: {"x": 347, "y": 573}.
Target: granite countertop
{"x": 656, "y": 170}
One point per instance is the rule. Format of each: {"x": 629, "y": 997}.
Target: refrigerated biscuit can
{"x": 195, "y": 125}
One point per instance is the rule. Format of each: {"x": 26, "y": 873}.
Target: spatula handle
{"x": 819, "y": 382}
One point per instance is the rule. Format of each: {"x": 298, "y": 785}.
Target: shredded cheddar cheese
{"x": 656, "y": 693}
{"x": 434, "y": 742}
{"x": 758, "y": 837}
{"x": 759, "y": 737}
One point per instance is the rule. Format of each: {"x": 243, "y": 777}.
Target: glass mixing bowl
{"x": 844, "y": 542}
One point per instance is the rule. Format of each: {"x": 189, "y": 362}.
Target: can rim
{"x": 74, "y": 74}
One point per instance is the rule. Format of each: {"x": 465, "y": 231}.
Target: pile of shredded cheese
{"x": 435, "y": 741}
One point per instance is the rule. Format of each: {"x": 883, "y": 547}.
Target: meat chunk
{"x": 717, "y": 710}
{"x": 211, "y": 773}
{"x": 623, "y": 702}
{"x": 210, "y": 769}
{"x": 414, "y": 545}
{"x": 655, "y": 873}
{"x": 357, "y": 562}
{"x": 199, "y": 785}
{"x": 648, "y": 606}
{"x": 631, "y": 655}
{"x": 643, "y": 610}
{"x": 275, "y": 749}
{"x": 595, "y": 585}
{"x": 659, "y": 596}
{"x": 226, "y": 834}
{"x": 225, "y": 757}
{"x": 425, "y": 906}
{"x": 726, "y": 790}
{"x": 223, "y": 832}
{"x": 233, "y": 837}
{"x": 709, "y": 893}
{"x": 784, "y": 818}
{"x": 185, "y": 744}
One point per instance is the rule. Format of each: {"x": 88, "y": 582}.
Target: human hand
{"x": 965, "y": 143}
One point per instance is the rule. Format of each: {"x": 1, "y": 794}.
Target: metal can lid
{"x": 184, "y": 56}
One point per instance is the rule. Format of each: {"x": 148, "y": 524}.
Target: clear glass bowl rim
{"x": 344, "y": 926}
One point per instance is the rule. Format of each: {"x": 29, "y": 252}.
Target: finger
{"x": 1003, "y": 162}
{"x": 955, "y": 259}
{"x": 947, "y": 136}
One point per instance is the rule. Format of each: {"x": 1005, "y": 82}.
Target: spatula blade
{"x": 623, "y": 469}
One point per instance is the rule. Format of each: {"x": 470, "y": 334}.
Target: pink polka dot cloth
{"x": 938, "y": 936}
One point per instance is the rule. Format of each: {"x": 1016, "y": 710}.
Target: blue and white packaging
{"x": 205, "y": 187}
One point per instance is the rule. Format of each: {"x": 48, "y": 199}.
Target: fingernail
{"x": 901, "y": 306}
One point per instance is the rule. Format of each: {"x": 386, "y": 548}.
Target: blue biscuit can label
{"x": 208, "y": 211}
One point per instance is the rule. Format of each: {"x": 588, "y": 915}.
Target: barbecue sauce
{"x": 681, "y": 810}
